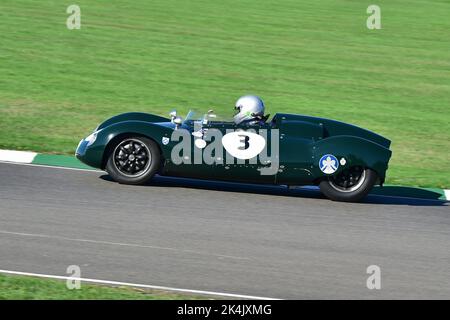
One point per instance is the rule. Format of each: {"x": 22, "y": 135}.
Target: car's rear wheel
{"x": 133, "y": 160}
{"x": 350, "y": 185}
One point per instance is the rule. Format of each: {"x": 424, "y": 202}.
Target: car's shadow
{"x": 393, "y": 195}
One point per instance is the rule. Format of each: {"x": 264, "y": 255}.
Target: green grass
{"x": 309, "y": 57}
{"x": 30, "y": 288}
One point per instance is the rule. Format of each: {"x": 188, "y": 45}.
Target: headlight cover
{"x": 90, "y": 139}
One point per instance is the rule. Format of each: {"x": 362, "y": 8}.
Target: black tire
{"x": 342, "y": 188}
{"x": 133, "y": 160}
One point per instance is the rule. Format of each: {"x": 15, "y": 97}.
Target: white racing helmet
{"x": 248, "y": 108}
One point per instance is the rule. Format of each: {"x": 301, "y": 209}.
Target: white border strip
{"x": 17, "y": 156}
{"x": 447, "y": 194}
{"x": 51, "y": 167}
{"x": 135, "y": 285}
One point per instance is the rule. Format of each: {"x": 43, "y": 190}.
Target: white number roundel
{"x": 243, "y": 145}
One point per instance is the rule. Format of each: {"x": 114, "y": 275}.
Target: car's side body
{"x": 317, "y": 137}
{"x": 303, "y": 140}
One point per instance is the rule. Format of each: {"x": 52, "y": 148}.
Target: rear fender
{"x": 355, "y": 151}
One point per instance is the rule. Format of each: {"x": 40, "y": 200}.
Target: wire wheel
{"x": 348, "y": 180}
{"x": 132, "y": 157}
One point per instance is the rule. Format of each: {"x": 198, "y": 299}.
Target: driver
{"x": 249, "y": 110}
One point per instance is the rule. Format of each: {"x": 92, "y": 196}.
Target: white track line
{"x": 45, "y": 236}
{"x": 136, "y": 285}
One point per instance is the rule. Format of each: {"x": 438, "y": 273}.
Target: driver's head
{"x": 248, "y": 108}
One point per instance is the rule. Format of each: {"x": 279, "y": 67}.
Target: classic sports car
{"x": 345, "y": 161}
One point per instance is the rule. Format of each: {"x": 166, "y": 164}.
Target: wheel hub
{"x": 349, "y": 180}
{"x": 132, "y": 158}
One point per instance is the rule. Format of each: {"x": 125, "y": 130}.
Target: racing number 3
{"x": 244, "y": 142}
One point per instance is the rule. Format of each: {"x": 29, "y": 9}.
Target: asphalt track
{"x": 250, "y": 240}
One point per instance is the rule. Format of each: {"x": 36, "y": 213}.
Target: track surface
{"x": 259, "y": 241}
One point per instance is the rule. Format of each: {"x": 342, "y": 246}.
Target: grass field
{"x": 309, "y": 57}
{"x": 28, "y": 288}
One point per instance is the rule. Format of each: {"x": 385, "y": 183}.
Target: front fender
{"x": 95, "y": 154}
{"x": 355, "y": 151}
{"x": 132, "y": 116}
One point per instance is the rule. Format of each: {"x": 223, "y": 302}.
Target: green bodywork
{"x": 303, "y": 140}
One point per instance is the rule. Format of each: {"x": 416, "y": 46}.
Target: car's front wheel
{"x": 133, "y": 160}
{"x": 351, "y": 185}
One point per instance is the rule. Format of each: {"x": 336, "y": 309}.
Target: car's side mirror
{"x": 211, "y": 114}
{"x": 173, "y": 115}
{"x": 178, "y": 121}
